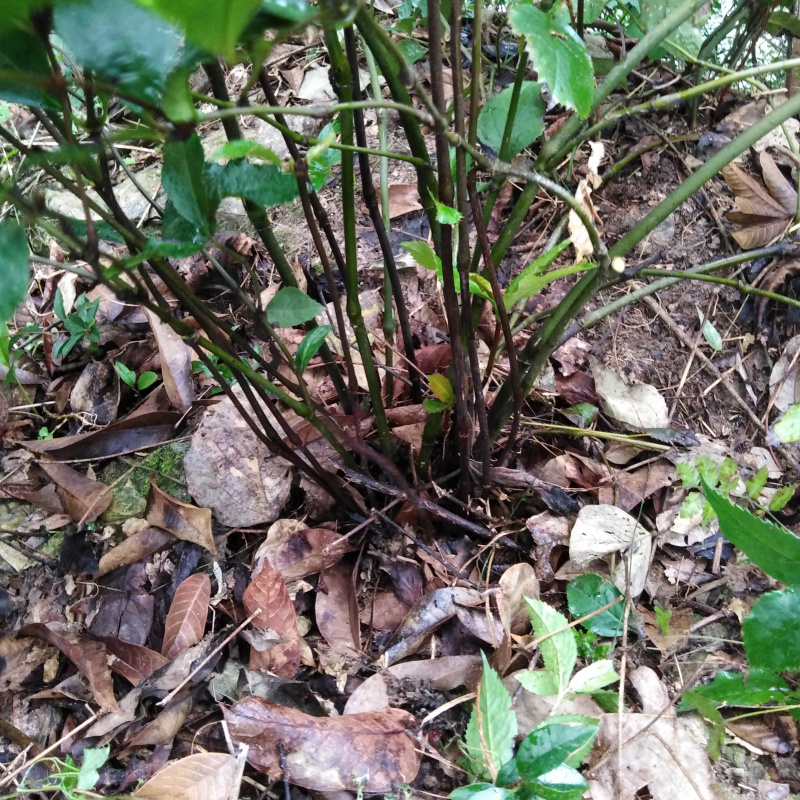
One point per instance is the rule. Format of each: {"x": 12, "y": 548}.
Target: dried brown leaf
{"x": 403, "y": 199}
{"x": 336, "y": 611}
{"x": 176, "y": 363}
{"x": 133, "y": 661}
{"x": 186, "y": 619}
{"x": 297, "y": 553}
{"x": 140, "y": 544}
{"x": 778, "y": 186}
{"x": 517, "y": 582}
{"x": 744, "y": 185}
{"x": 371, "y": 750}
{"x": 187, "y": 522}
{"x": 90, "y": 658}
{"x": 202, "y": 776}
{"x": 83, "y": 499}
{"x": 18, "y": 658}
{"x": 164, "y": 728}
{"x": 760, "y": 235}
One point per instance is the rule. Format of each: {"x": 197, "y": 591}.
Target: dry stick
{"x": 208, "y": 658}
{"x": 690, "y": 360}
{"x": 707, "y": 363}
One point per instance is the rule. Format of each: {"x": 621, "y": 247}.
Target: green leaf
{"x": 446, "y": 215}
{"x": 412, "y": 51}
{"x": 785, "y": 20}
{"x": 531, "y": 285}
{"x": 774, "y": 549}
{"x": 559, "y": 651}
{"x": 215, "y": 28}
{"x": 771, "y": 632}
{"x": 312, "y": 342}
{"x": 292, "y": 307}
{"x": 528, "y": 122}
{"x": 423, "y": 255}
{"x": 93, "y": 759}
{"x": 781, "y": 498}
{"x": 594, "y": 677}
{"x": 689, "y": 476}
{"x": 586, "y": 594}
{"x": 434, "y": 406}
{"x": 710, "y": 713}
{"x": 755, "y": 485}
{"x": 710, "y": 333}
{"x": 104, "y": 230}
{"x": 708, "y": 470}
{"x": 441, "y": 388}
{"x": 184, "y": 179}
{"x": 245, "y": 148}
{"x": 549, "y": 745}
{"x": 23, "y": 51}
{"x": 662, "y": 620}
{"x": 146, "y": 380}
{"x": 480, "y": 791}
{"x": 264, "y": 184}
{"x": 562, "y": 783}
{"x": 583, "y": 414}
{"x": 728, "y": 475}
{"x": 122, "y": 42}
{"x": 559, "y": 56}
{"x": 14, "y": 269}
{"x": 127, "y": 376}
{"x": 178, "y": 229}
{"x": 492, "y": 725}
{"x": 538, "y": 681}
{"x": 787, "y": 428}
{"x": 535, "y": 269}
{"x": 607, "y": 700}
{"x": 757, "y": 687}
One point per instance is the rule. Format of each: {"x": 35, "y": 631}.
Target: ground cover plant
{"x": 331, "y": 456}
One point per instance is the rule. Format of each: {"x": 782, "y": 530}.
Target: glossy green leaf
{"x": 756, "y": 687}
{"x": 14, "y": 269}
{"x": 292, "y": 307}
{"x": 596, "y": 676}
{"x": 755, "y": 485}
{"x": 785, "y": 20}
{"x": 558, "y": 54}
{"x": 434, "y": 406}
{"x": 122, "y": 42}
{"x": 559, "y": 651}
{"x": 583, "y": 414}
{"x": 787, "y": 428}
{"x": 264, "y": 184}
{"x": 242, "y": 148}
{"x": 146, "y": 380}
{"x": 23, "y": 51}
{"x": 528, "y": 122}
{"x": 586, "y": 594}
{"x": 441, "y": 388}
{"x": 492, "y": 725}
{"x": 184, "y": 179}
{"x": 480, "y": 791}
{"x": 549, "y": 745}
{"x": 538, "y": 681}
{"x": 774, "y": 549}
{"x": 179, "y": 231}
{"x": 562, "y": 783}
{"x": 446, "y": 215}
{"x": 126, "y": 375}
{"x": 423, "y": 255}
{"x": 411, "y": 50}
{"x": 216, "y": 27}
{"x": 93, "y": 759}
{"x": 771, "y": 632}
{"x": 710, "y": 333}
{"x": 311, "y": 343}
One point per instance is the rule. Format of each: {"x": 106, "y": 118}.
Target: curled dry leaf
{"x": 186, "y": 619}
{"x": 83, "y": 499}
{"x": 336, "y": 611}
{"x": 583, "y": 194}
{"x": 371, "y": 751}
{"x": 139, "y": 545}
{"x": 90, "y": 658}
{"x": 202, "y": 776}
{"x": 19, "y": 657}
{"x": 403, "y": 199}
{"x": 268, "y": 592}
{"x": 187, "y": 522}
{"x": 176, "y": 363}
{"x": 517, "y": 582}
{"x": 96, "y": 393}
{"x": 133, "y": 661}
{"x": 298, "y": 552}
{"x": 164, "y": 728}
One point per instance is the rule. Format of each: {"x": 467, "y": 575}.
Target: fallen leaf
{"x": 186, "y": 620}
{"x": 133, "y": 661}
{"x": 139, "y": 545}
{"x": 83, "y": 499}
{"x": 300, "y": 552}
{"x": 517, "y": 582}
{"x": 385, "y": 612}
{"x": 202, "y": 776}
{"x": 639, "y": 406}
{"x": 604, "y": 529}
{"x": 336, "y": 611}
{"x": 18, "y": 658}
{"x": 371, "y": 751}
{"x": 316, "y": 85}
{"x": 187, "y": 522}
{"x": 164, "y": 728}
{"x": 96, "y": 393}
{"x": 410, "y": 434}
{"x": 176, "y": 363}
{"x": 403, "y": 199}
{"x": 629, "y": 488}
{"x": 90, "y": 658}
{"x": 583, "y": 194}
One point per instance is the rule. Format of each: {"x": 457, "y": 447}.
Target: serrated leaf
{"x": 787, "y": 428}
{"x": 538, "y": 681}
{"x": 446, "y": 215}
{"x": 184, "y": 179}
{"x": 528, "y": 122}
{"x": 756, "y": 687}
{"x": 311, "y": 343}
{"x": 774, "y": 549}
{"x": 559, "y": 55}
{"x": 771, "y": 634}
{"x": 728, "y": 475}
{"x": 14, "y": 269}
{"x": 689, "y": 476}
{"x": 292, "y": 307}
{"x": 264, "y": 184}
{"x": 709, "y": 471}
{"x": 594, "y": 677}
{"x": 562, "y": 783}
{"x": 586, "y": 594}
{"x": 755, "y": 485}
{"x": 549, "y": 746}
{"x": 423, "y": 255}
{"x": 441, "y": 388}
{"x": 559, "y": 651}
{"x": 493, "y": 725}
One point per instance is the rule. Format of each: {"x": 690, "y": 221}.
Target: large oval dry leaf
{"x": 176, "y": 363}
{"x": 327, "y": 754}
{"x": 89, "y": 657}
{"x": 83, "y": 499}
{"x": 203, "y": 776}
{"x": 186, "y": 619}
{"x": 298, "y": 553}
{"x": 187, "y": 522}
{"x": 132, "y": 661}
{"x": 140, "y": 544}
{"x": 637, "y": 406}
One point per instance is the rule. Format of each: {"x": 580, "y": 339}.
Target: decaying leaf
{"x": 765, "y": 213}
{"x": 370, "y": 751}
{"x": 164, "y": 728}
{"x": 302, "y": 551}
{"x": 186, "y": 620}
{"x": 638, "y": 406}
{"x": 83, "y": 499}
{"x": 96, "y": 393}
{"x": 187, "y": 522}
{"x": 19, "y": 657}
{"x": 89, "y": 657}
{"x": 403, "y": 199}
{"x": 176, "y": 363}
{"x": 336, "y": 610}
{"x": 583, "y": 194}
{"x": 517, "y": 582}
{"x": 268, "y": 592}
{"x": 202, "y": 776}
{"x": 138, "y": 545}
{"x": 132, "y": 661}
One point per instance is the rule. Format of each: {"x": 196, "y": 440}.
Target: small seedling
{"x": 80, "y": 324}
{"x": 128, "y": 376}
